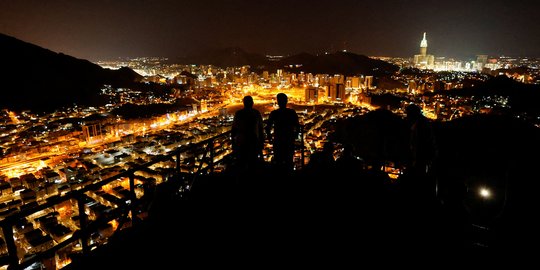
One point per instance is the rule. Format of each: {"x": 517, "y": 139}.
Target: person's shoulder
{"x": 292, "y": 114}
{"x": 424, "y": 121}
{"x": 290, "y": 111}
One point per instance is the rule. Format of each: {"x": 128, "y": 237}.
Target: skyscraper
{"x": 424, "y": 60}
{"x": 368, "y": 82}
{"x": 337, "y": 92}
{"x": 481, "y": 61}
{"x": 423, "y": 46}
{"x": 312, "y": 95}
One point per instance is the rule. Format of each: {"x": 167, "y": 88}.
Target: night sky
{"x": 100, "y": 29}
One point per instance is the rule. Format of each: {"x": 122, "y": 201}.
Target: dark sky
{"x": 101, "y": 29}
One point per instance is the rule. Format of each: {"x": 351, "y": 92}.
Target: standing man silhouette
{"x": 247, "y": 134}
{"x": 422, "y": 145}
{"x": 423, "y": 150}
{"x": 285, "y": 123}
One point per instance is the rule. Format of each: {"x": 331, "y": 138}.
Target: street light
{"x": 485, "y": 193}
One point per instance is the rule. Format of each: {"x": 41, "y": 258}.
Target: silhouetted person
{"x": 247, "y": 134}
{"x": 349, "y": 169}
{"x": 348, "y": 161}
{"x": 422, "y": 146}
{"x": 285, "y": 123}
{"x": 322, "y": 163}
{"x": 316, "y": 174}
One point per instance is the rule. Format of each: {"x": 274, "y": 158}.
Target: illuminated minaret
{"x": 423, "y": 46}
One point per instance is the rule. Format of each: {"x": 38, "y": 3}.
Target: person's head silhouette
{"x": 248, "y": 102}
{"x": 348, "y": 150}
{"x": 413, "y": 112}
{"x": 328, "y": 148}
{"x": 281, "y": 100}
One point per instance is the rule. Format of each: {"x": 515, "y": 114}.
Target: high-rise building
{"x": 368, "y": 82}
{"x": 312, "y": 95}
{"x": 301, "y": 77}
{"x": 481, "y": 61}
{"x": 340, "y": 92}
{"x": 331, "y": 89}
{"x": 338, "y": 78}
{"x": 92, "y": 132}
{"x": 423, "y": 46}
{"x": 424, "y": 60}
{"x": 411, "y": 89}
{"x": 323, "y": 79}
{"x": 336, "y": 92}
{"x": 309, "y": 78}
{"x": 204, "y": 106}
{"x": 354, "y": 81}
{"x": 323, "y": 94}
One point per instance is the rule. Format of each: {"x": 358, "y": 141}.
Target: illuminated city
{"x": 83, "y": 153}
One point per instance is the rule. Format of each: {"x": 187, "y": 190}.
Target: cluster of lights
{"x": 485, "y": 193}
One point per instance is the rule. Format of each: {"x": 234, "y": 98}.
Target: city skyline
{"x": 434, "y": 137}
{"x": 103, "y": 29}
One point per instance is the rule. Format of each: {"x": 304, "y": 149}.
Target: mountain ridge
{"x": 39, "y": 79}
{"x": 346, "y": 63}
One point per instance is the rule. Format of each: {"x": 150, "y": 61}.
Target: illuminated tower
{"x": 423, "y": 46}
{"x": 424, "y": 60}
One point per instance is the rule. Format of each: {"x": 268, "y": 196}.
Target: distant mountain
{"x": 335, "y": 63}
{"x": 228, "y": 57}
{"x": 42, "y": 80}
{"x": 521, "y": 97}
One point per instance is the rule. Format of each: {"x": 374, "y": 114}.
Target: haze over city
{"x": 98, "y": 30}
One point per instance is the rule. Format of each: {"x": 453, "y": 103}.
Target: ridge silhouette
{"x": 40, "y": 79}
